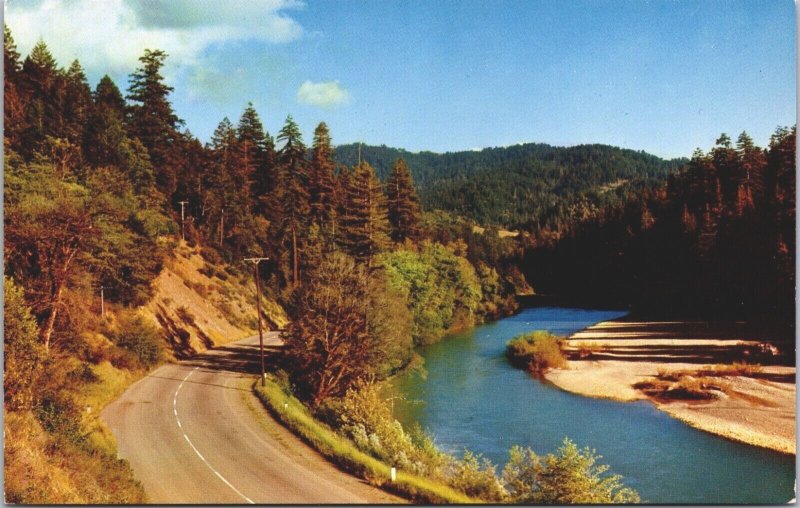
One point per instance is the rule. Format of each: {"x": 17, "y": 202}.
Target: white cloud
{"x": 110, "y": 35}
{"x": 326, "y": 94}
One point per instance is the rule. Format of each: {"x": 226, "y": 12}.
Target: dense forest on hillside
{"x": 101, "y": 186}
{"x": 716, "y": 241}
{"x": 530, "y": 186}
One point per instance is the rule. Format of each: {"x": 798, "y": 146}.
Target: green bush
{"x": 365, "y": 417}
{"x": 139, "y": 336}
{"x": 23, "y": 352}
{"x": 569, "y": 477}
{"x": 475, "y": 476}
{"x": 538, "y": 351}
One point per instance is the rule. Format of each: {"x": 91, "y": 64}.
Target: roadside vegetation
{"x": 358, "y": 432}
{"x": 537, "y": 352}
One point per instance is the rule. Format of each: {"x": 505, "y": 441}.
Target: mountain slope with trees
{"x": 531, "y": 186}
{"x": 716, "y": 241}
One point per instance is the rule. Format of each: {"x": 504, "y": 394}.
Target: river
{"x": 472, "y": 398}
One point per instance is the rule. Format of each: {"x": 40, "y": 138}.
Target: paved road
{"x": 194, "y": 433}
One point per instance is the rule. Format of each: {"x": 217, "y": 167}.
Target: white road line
{"x": 175, "y": 410}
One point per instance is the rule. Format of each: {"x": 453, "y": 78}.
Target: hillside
{"x": 529, "y": 185}
{"x": 61, "y": 451}
{"x": 199, "y": 304}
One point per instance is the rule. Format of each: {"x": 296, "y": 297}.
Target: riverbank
{"x": 606, "y": 361}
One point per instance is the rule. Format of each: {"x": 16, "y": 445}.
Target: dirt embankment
{"x": 200, "y": 304}
{"x": 607, "y": 360}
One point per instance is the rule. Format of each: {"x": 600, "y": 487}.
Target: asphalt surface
{"x": 194, "y": 433}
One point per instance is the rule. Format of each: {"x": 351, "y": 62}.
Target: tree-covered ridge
{"x": 531, "y": 185}
{"x": 716, "y": 240}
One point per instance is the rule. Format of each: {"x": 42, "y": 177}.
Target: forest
{"x": 715, "y": 241}
{"x": 530, "y": 186}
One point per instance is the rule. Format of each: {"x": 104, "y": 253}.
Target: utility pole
{"x": 102, "y": 302}
{"x": 255, "y": 262}
{"x": 221, "y": 223}
{"x": 183, "y": 229}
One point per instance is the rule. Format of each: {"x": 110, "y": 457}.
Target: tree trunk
{"x": 51, "y": 319}
{"x": 295, "y": 263}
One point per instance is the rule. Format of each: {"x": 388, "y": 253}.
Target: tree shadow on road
{"x": 237, "y": 358}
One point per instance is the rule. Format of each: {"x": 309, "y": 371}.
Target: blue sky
{"x": 662, "y": 76}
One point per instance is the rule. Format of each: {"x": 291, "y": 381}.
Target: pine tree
{"x": 365, "y": 226}
{"x": 77, "y": 103}
{"x": 253, "y": 147}
{"x": 14, "y": 96}
{"x": 293, "y": 194}
{"x": 44, "y": 111}
{"x": 108, "y": 96}
{"x": 322, "y": 181}
{"x": 222, "y": 182}
{"x": 752, "y": 162}
{"x": 107, "y": 143}
{"x": 151, "y": 118}
{"x": 403, "y": 203}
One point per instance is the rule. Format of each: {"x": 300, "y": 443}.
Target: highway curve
{"x": 194, "y": 433}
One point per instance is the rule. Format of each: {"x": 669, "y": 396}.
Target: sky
{"x": 664, "y": 76}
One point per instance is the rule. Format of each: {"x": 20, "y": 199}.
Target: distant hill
{"x": 527, "y": 185}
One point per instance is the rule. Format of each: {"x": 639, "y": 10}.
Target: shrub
{"x": 569, "y": 477}
{"x": 136, "y": 334}
{"x": 587, "y": 349}
{"x": 365, "y": 417}
{"x": 682, "y": 386}
{"x": 475, "y": 476}
{"x": 185, "y": 315}
{"x": 734, "y": 369}
{"x": 23, "y": 353}
{"x": 59, "y": 414}
{"x": 210, "y": 254}
{"x": 538, "y": 351}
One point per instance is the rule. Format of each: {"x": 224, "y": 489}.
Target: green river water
{"x": 472, "y": 398}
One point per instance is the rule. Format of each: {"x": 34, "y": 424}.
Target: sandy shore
{"x": 755, "y": 410}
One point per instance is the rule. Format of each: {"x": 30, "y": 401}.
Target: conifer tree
{"x": 253, "y": 146}
{"x": 403, "y": 203}
{"x": 752, "y": 162}
{"x": 14, "y": 96}
{"x": 151, "y": 118}
{"x": 293, "y": 193}
{"x": 43, "y": 113}
{"x": 322, "y": 180}
{"x": 77, "y": 103}
{"x": 365, "y": 226}
{"x": 108, "y": 96}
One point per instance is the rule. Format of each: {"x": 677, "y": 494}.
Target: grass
{"x": 682, "y": 388}
{"x": 587, "y": 349}
{"x": 700, "y": 384}
{"x": 538, "y": 351}
{"x": 343, "y": 452}
{"x": 111, "y": 383}
{"x": 50, "y": 468}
